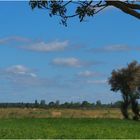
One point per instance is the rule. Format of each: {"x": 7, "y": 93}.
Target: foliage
{"x": 57, "y": 104}
{"x": 98, "y": 103}
{"x": 127, "y": 81}
{"x": 83, "y": 9}
{"x": 42, "y": 103}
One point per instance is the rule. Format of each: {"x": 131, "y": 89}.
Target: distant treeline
{"x": 57, "y": 104}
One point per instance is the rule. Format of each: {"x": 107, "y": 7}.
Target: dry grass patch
{"x": 57, "y": 113}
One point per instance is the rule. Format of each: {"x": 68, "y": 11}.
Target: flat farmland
{"x": 65, "y": 128}
{"x": 34, "y": 123}
{"x": 60, "y": 113}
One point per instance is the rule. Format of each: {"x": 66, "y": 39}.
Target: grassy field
{"x": 38, "y": 128}
{"x": 66, "y": 123}
{"x": 59, "y": 113}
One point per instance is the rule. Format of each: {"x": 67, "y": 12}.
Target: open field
{"x": 38, "y": 128}
{"x": 65, "y": 123}
{"x": 59, "y": 113}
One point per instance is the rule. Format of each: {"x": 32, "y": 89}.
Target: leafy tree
{"x": 127, "y": 81}
{"x": 57, "y": 103}
{"x": 83, "y": 9}
{"x": 117, "y": 103}
{"x": 86, "y": 104}
{"x": 51, "y": 104}
{"x": 98, "y": 103}
{"x": 36, "y": 103}
{"x": 42, "y": 103}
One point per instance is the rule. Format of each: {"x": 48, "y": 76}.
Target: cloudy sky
{"x": 41, "y": 59}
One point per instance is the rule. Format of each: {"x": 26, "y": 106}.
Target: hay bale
{"x": 56, "y": 114}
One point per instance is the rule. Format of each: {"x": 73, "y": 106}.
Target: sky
{"x": 42, "y": 59}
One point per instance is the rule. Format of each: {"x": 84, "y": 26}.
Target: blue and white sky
{"x": 41, "y": 59}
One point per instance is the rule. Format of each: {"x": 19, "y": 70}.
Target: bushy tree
{"x": 127, "y": 81}
{"x": 42, "y": 103}
{"x": 36, "y": 103}
{"x": 86, "y": 104}
{"x": 98, "y": 103}
{"x": 82, "y": 9}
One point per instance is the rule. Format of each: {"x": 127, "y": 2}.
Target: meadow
{"x": 60, "y": 113}
{"x": 34, "y": 123}
{"x": 39, "y": 128}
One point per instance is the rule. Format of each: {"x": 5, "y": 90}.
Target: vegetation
{"x": 57, "y": 104}
{"x": 82, "y": 9}
{"x": 127, "y": 81}
{"x": 60, "y": 113}
{"x": 68, "y": 128}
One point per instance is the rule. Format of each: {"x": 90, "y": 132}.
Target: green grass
{"x": 68, "y": 128}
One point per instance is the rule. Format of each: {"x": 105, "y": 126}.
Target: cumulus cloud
{"x": 32, "y": 45}
{"x": 114, "y": 48}
{"x": 47, "y": 47}
{"x": 87, "y": 73}
{"x": 71, "y": 62}
{"x": 20, "y": 77}
{"x": 21, "y": 70}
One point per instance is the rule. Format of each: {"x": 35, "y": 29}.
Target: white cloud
{"x": 96, "y": 81}
{"x": 17, "y": 69}
{"x": 21, "y": 70}
{"x": 71, "y": 62}
{"x": 87, "y": 73}
{"x": 117, "y": 48}
{"x": 33, "y": 75}
{"x": 32, "y": 45}
{"x": 22, "y": 77}
{"x": 47, "y": 47}
{"x": 113, "y": 48}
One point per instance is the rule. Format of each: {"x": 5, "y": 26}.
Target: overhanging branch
{"x": 123, "y": 6}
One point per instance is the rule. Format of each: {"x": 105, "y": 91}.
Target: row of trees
{"x": 57, "y": 104}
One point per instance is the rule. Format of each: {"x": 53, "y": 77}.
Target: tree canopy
{"x": 127, "y": 81}
{"x": 83, "y": 9}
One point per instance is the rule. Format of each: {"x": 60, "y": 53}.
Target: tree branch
{"x": 123, "y": 6}
{"x": 132, "y": 6}
{"x": 67, "y": 3}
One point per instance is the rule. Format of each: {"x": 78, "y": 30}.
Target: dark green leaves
{"x": 39, "y": 4}
{"x": 84, "y": 11}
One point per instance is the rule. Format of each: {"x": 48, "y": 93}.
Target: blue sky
{"x": 41, "y": 59}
